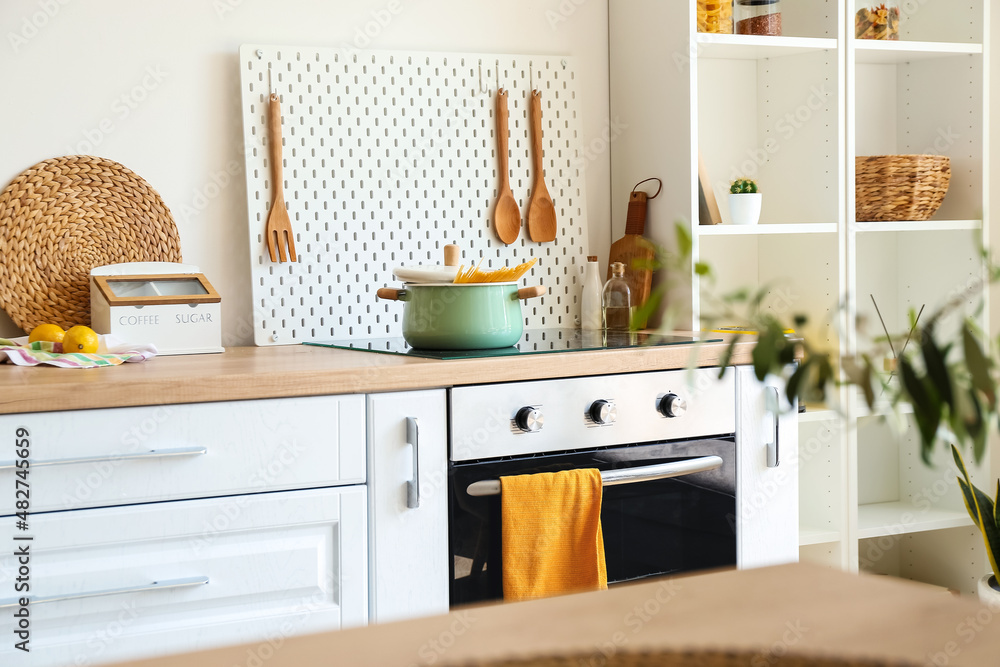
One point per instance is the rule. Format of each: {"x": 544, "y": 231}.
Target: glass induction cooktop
{"x": 533, "y": 341}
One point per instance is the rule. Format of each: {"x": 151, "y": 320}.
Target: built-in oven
{"x": 666, "y": 448}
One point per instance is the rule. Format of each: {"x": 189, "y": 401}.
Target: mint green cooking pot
{"x": 461, "y": 316}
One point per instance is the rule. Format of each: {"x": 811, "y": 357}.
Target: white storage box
{"x": 170, "y": 305}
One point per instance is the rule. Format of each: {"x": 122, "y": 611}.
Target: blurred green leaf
{"x": 645, "y": 264}
{"x": 926, "y": 408}
{"x": 642, "y": 314}
{"x": 727, "y": 355}
{"x": 684, "y": 243}
{"x": 977, "y": 429}
{"x": 736, "y": 296}
{"x": 861, "y": 375}
{"x": 937, "y": 371}
{"x": 765, "y": 354}
{"x": 978, "y": 365}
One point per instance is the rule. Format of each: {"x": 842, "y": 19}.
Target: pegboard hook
{"x": 531, "y": 74}
{"x": 497, "y": 72}
{"x": 270, "y": 87}
{"x": 481, "y": 89}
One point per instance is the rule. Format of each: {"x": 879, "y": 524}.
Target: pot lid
{"x": 426, "y": 273}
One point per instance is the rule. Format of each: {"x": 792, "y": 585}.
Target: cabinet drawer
{"x": 275, "y": 564}
{"x": 168, "y": 452}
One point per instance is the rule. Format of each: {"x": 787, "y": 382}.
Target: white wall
{"x": 154, "y": 85}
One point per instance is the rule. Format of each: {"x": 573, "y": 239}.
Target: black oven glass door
{"x": 650, "y": 528}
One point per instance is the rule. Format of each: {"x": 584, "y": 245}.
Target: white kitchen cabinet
{"x": 767, "y": 481}
{"x": 408, "y": 504}
{"x": 152, "y": 579}
{"x": 180, "y": 527}
{"x": 93, "y": 458}
{"x": 793, "y": 112}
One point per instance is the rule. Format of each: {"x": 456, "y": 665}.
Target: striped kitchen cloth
{"x": 111, "y": 352}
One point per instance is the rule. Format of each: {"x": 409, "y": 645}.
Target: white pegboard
{"x": 387, "y": 157}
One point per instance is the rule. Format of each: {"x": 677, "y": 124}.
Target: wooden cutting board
{"x": 633, "y": 249}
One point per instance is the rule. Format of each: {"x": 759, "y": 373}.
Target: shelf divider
{"x": 917, "y": 226}
{"x": 812, "y": 535}
{"x": 757, "y": 47}
{"x": 819, "y": 414}
{"x": 899, "y": 518}
{"x": 765, "y": 229}
{"x": 887, "y": 52}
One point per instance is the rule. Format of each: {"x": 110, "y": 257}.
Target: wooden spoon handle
{"x": 274, "y": 147}
{"x": 502, "y": 139}
{"x": 452, "y": 254}
{"x": 536, "y": 134}
{"x": 531, "y": 292}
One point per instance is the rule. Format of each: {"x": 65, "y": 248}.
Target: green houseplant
{"x": 744, "y": 202}
{"x": 949, "y": 372}
{"x": 984, "y": 513}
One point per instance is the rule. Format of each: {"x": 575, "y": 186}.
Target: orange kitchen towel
{"x": 552, "y": 540}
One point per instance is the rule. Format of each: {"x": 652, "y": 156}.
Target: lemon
{"x": 80, "y": 339}
{"x": 47, "y": 332}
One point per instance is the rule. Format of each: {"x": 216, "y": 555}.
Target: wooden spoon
{"x": 506, "y": 216}
{"x": 541, "y": 211}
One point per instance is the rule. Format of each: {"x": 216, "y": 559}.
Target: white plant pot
{"x": 989, "y": 594}
{"x": 744, "y": 209}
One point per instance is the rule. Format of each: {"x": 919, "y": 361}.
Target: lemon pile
{"x": 76, "y": 339}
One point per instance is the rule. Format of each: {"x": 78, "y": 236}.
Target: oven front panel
{"x": 650, "y": 528}
{"x": 484, "y": 418}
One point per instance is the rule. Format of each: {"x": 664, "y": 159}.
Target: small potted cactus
{"x": 744, "y": 202}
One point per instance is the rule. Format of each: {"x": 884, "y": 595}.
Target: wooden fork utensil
{"x": 278, "y": 232}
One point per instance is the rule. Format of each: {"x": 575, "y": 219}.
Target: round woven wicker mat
{"x": 64, "y": 216}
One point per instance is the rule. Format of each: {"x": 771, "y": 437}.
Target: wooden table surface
{"x": 300, "y": 370}
{"x": 764, "y": 614}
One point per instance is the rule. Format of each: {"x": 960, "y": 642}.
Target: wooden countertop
{"x": 755, "y": 617}
{"x": 300, "y": 370}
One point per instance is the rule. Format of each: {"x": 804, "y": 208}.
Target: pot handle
{"x": 391, "y": 294}
{"x": 531, "y": 292}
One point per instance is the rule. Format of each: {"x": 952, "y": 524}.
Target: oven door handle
{"x": 491, "y": 487}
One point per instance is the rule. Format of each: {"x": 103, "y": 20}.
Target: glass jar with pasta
{"x": 879, "y": 22}
{"x": 715, "y": 16}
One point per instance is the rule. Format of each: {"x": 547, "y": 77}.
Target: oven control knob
{"x": 529, "y": 420}
{"x": 604, "y": 412}
{"x": 673, "y": 405}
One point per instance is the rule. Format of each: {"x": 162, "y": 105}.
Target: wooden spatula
{"x": 541, "y": 211}
{"x": 506, "y": 216}
{"x": 634, "y": 249}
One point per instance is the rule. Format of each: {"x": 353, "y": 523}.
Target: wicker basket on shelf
{"x": 900, "y": 187}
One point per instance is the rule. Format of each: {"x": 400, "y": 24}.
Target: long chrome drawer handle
{"x": 151, "y": 454}
{"x": 169, "y": 584}
{"x": 413, "y": 486}
{"x": 491, "y": 487}
{"x": 773, "y": 451}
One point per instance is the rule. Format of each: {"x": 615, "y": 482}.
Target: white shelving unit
{"x": 926, "y": 93}
{"x": 793, "y": 112}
